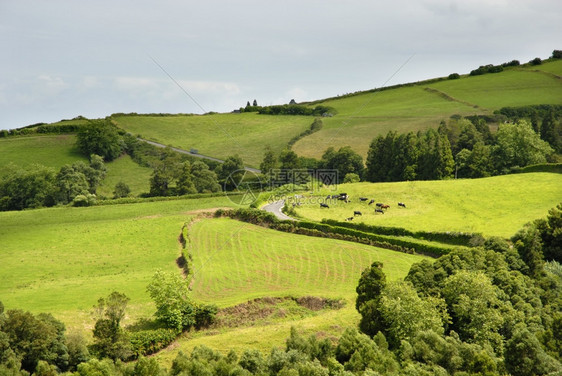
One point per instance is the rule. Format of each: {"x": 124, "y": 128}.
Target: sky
{"x": 64, "y": 58}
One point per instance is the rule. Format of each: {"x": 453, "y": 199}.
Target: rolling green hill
{"x": 363, "y": 116}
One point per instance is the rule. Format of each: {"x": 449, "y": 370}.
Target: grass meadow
{"x": 219, "y": 135}
{"x": 126, "y": 170}
{"x": 234, "y": 262}
{"x": 48, "y": 150}
{"x": 61, "y": 260}
{"x": 362, "y": 117}
{"x": 495, "y": 206}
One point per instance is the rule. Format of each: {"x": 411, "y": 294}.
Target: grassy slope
{"x": 362, "y": 117}
{"x": 126, "y": 170}
{"x": 235, "y": 261}
{"x": 49, "y": 150}
{"x": 57, "y": 150}
{"x": 61, "y": 260}
{"x": 498, "y": 205}
{"x": 220, "y": 135}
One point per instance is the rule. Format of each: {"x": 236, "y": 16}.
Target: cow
{"x": 379, "y": 204}
{"x": 356, "y": 212}
{"x": 379, "y": 211}
{"x": 371, "y": 202}
{"x": 363, "y": 199}
{"x": 349, "y": 219}
{"x": 343, "y": 196}
{"x": 402, "y": 204}
{"x": 323, "y": 205}
{"x": 385, "y": 206}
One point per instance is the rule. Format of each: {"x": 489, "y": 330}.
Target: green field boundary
{"x": 324, "y": 230}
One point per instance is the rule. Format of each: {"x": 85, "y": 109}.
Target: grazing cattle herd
{"x": 380, "y": 207}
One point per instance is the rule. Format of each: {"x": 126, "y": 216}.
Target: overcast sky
{"x": 62, "y": 58}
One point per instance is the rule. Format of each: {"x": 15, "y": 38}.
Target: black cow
{"x": 323, "y": 205}
{"x": 371, "y": 202}
{"x": 402, "y": 204}
{"x": 379, "y": 204}
{"x": 379, "y": 211}
{"x": 349, "y": 219}
{"x": 363, "y": 198}
{"x": 356, "y": 212}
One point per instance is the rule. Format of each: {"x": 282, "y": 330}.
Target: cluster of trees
{"x": 493, "y": 309}
{"x": 289, "y": 109}
{"x": 345, "y": 161}
{"x": 422, "y": 156}
{"x": 467, "y": 149}
{"x": 38, "y": 344}
{"x": 37, "y": 186}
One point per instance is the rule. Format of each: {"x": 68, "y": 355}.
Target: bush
{"x": 536, "y": 61}
{"x": 454, "y": 76}
{"x": 557, "y": 54}
{"x": 148, "y": 342}
{"x": 84, "y": 200}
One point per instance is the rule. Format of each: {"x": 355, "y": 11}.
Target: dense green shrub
{"x": 146, "y": 342}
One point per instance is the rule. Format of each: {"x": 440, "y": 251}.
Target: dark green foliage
{"x": 344, "y": 161}
{"x": 121, "y": 190}
{"x": 269, "y": 161}
{"x": 147, "y": 342}
{"x": 26, "y": 339}
{"x": 101, "y": 138}
{"x": 293, "y": 109}
{"x": 424, "y": 156}
{"x": 30, "y": 187}
{"x": 110, "y": 340}
{"x": 551, "y": 234}
{"x": 454, "y": 76}
{"x": 536, "y": 61}
{"x": 204, "y": 179}
{"x": 231, "y": 172}
{"x": 525, "y": 356}
{"x": 557, "y": 54}
{"x": 483, "y": 69}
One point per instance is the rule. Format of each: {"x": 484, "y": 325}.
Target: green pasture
{"x": 61, "y": 260}
{"x": 126, "y": 170}
{"x": 364, "y": 116}
{"x": 495, "y": 206}
{"x": 234, "y": 262}
{"x": 48, "y": 150}
{"x": 219, "y": 135}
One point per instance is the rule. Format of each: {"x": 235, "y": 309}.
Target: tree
{"x": 269, "y": 161}
{"x": 255, "y": 103}
{"x": 344, "y": 161}
{"x": 71, "y": 182}
{"x": 230, "y": 173}
{"x": 289, "y": 160}
{"x": 29, "y": 187}
{"x": 351, "y": 178}
{"x": 518, "y": 145}
{"x": 121, "y": 190}
{"x": 174, "y": 306}
{"x": 204, "y": 179}
{"x": 185, "y": 183}
{"x": 110, "y": 339}
{"x": 551, "y": 234}
{"x": 100, "y": 138}
{"x": 525, "y": 356}
{"x": 35, "y": 338}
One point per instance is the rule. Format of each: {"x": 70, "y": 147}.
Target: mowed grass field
{"x": 234, "y": 262}
{"x": 495, "y": 206}
{"x": 219, "y": 135}
{"x": 362, "y": 117}
{"x": 61, "y": 260}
